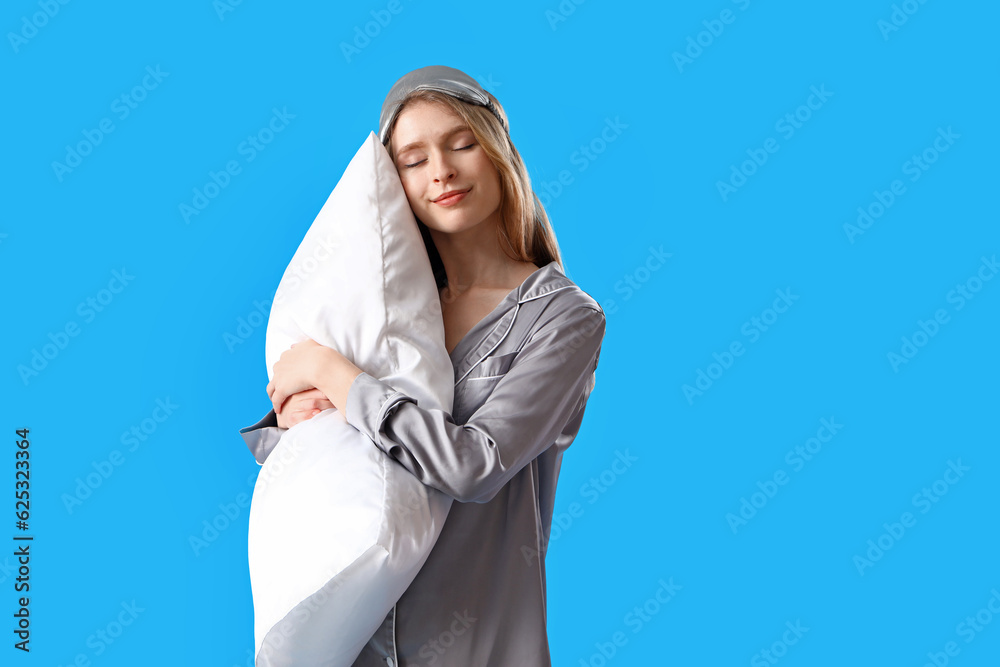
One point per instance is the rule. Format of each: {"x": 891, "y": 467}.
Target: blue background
{"x": 562, "y": 72}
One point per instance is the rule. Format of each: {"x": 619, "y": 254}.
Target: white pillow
{"x": 338, "y": 529}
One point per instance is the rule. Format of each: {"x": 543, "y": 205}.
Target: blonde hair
{"x": 524, "y": 233}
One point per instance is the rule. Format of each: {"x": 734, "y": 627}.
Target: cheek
{"x": 411, "y": 189}
{"x": 491, "y": 180}
{"x": 487, "y": 173}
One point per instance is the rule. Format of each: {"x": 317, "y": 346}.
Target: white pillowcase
{"x": 338, "y": 529}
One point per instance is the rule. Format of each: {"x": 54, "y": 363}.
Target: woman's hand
{"x": 309, "y": 365}
{"x": 302, "y": 406}
{"x": 296, "y": 371}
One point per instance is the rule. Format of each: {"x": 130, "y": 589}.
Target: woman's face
{"x": 437, "y": 153}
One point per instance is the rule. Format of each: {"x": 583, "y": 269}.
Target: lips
{"x": 450, "y": 194}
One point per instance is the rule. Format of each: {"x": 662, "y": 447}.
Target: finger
{"x": 278, "y": 399}
{"x": 294, "y": 418}
{"x": 303, "y": 415}
{"x": 270, "y": 388}
{"x": 302, "y": 401}
{"x": 299, "y": 416}
{"x": 311, "y": 394}
{"x": 313, "y": 391}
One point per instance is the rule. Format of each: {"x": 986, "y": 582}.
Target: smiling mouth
{"x": 452, "y": 197}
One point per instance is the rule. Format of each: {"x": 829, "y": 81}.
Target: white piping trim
{"x": 517, "y": 306}
{"x": 509, "y": 327}
{"x": 395, "y": 658}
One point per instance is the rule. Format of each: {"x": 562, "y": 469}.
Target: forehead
{"x": 424, "y": 121}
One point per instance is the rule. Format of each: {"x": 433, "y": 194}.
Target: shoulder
{"x": 574, "y": 298}
{"x": 573, "y": 306}
{"x": 551, "y": 285}
{"x": 557, "y": 302}
{"x": 567, "y": 332}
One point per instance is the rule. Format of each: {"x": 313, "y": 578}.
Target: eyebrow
{"x": 444, "y": 135}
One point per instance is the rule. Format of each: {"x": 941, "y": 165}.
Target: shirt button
{"x": 389, "y": 662}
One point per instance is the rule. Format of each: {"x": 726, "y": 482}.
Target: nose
{"x": 443, "y": 169}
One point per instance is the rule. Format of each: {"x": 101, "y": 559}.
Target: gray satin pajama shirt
{"x": 523, "y": 375}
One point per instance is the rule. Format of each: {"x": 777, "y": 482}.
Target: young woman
{"x": 524, "y": 341}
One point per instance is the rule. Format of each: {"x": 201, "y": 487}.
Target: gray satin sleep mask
{"x": 434, "y": 77}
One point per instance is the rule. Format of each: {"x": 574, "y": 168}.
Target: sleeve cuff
{"x": 369, "y": 403}
{"x": 262, "y": 437}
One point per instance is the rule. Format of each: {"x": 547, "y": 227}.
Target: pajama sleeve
{"x": 547, "y": 383}
{"x": 263, "y": 436}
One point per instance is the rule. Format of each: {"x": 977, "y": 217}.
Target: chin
{"x": 450, "y": 227}
{"x": 450, "y": 224}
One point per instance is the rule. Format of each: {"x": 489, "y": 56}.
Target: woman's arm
{"x": 545, "y": 386}
{"x": 262, "y": 437}
{"x": 302, "y": 406}
{"x": 308, "y": 365}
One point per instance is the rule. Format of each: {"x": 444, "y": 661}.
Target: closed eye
{"x": 463, "y": 148}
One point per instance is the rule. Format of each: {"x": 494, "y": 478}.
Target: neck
{"x": 473, "y": 258}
